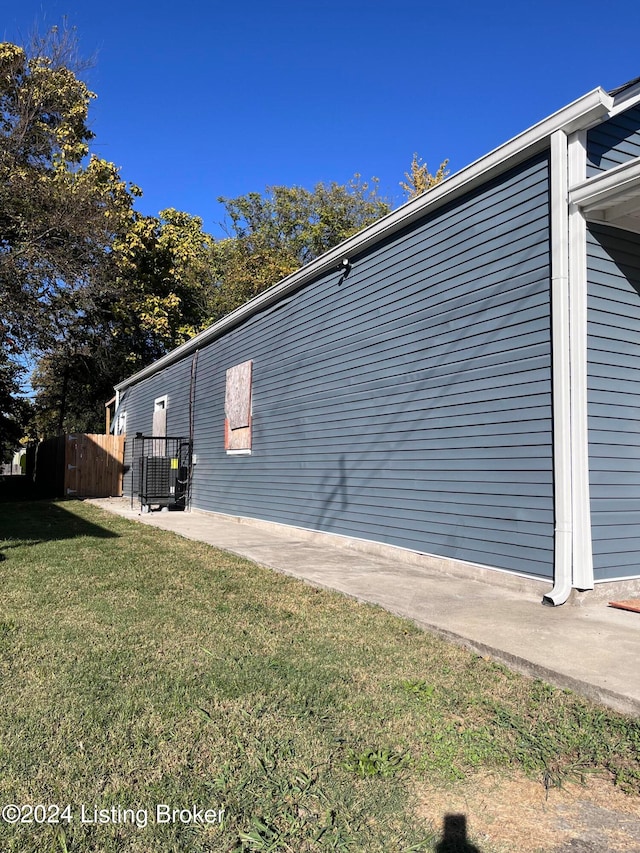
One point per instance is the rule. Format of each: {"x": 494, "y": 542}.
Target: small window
{"x": 237, "y": 408}
{"x": 121, "y": 424}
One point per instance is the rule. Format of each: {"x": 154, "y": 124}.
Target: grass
{"x": 138, "y": 668}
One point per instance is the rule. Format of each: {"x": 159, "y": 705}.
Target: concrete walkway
{"x": 593, "y": 649}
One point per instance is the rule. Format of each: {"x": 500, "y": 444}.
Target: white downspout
{"x": 561, "y": 371}
{"x": 582, "y": 540}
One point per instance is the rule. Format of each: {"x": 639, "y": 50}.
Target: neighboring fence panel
{"x": 83, "y": 466}
{"x": 93, "y": 465}
{"x": 50, "y": 466}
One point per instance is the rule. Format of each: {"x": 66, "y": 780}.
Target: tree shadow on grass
{"x": 33, "y": 522}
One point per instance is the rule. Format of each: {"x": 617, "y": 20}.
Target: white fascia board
{"x": 609, "y": 188}
{"x": 582, "y": 113}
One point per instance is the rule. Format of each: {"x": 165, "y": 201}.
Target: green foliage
{"x": 272, "y": 235}
{"x": 419, "y": 688}
{"x": 162, "y": 270}
{"x": 305, "y": 223}
{"x": 150, "y": 294}
{"x": 420, "y": 179}
{"x": 43, "y": 103}
{"x": 57, "y": 216}
{"x": 375, "y": 762}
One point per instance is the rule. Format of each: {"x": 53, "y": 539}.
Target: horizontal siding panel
{"x": 613, "y": 318}
{"x": 611, "y": 564}
{"x": 629, "y": 395}
{"x": 621, "y": 463}
{"x": 628, "y": 519}
{"x": 507, "y": 435}
{"x": 422, "y": 386}
{"x": 414, "y": 410}
{"x": 519, "y": 483}
{"x": 464, "y": 460}
{"x": 623, "y": 344}
{"x": 625, "y": 409}
{"x": 352, "y": 332}
{"x": 425, "y": 326}
{"x": 623, "y": 295}
{"x": 360, "y": 372}
{"x": 610, "y": 365}
{"x": 507, "y": 534}
{"x": 620, "y": 536}
{"x": 455, "y": 367}
{"x": 619, "y": 483}
{"x": 607, "y": 510}
{"x": 521, "y": 508}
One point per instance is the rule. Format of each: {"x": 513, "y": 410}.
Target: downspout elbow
{"x": 558, "y": 595}
{"x": 563, "y": 582}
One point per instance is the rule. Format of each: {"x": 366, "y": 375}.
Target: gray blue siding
{"x": 614, "y": 400}
{"x": 409, "y": 403}
{"x": 613, "y": 142}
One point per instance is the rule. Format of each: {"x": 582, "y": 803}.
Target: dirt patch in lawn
{"x": 515, "y": 813}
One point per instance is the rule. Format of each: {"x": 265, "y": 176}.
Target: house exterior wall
{"x": 613, "y": 142}
{"x": 408, "y": 402}
{"x": 613, "y": 394}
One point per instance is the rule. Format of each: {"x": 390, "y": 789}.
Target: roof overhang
{"x": 581, "y": 114}
{"x": 612, "y": 198}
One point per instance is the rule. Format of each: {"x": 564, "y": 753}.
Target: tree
{"x": 163, "y": 272}
{"x": 420, "y": 179}
{"x": 150, "y": 294}
{"x": 57, "y": 216}
{"x": 272, "y": 235}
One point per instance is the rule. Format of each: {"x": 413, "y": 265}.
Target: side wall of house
{"x": 613, "y": 390}
{"x": 408, "y": 402}
{"x": 613, "y": 260}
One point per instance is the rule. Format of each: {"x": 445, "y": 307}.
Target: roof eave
{"x": 579, "y": 115}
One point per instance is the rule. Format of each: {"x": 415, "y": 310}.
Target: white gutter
{"x": 582, "y": 113}
{"x": 625, "y": 99}
{"x": 561, "y": 371}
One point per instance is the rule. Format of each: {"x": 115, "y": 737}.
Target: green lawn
{"x": 140, "y": 669}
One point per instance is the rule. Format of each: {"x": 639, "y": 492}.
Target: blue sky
{"x": 202, "y": 99}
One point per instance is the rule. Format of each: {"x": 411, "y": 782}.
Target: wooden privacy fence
{"x": 93, "y": 465}
{"x": 81, "y": 465}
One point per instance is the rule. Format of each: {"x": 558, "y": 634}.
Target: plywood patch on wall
{"x": 237, "y": 407}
